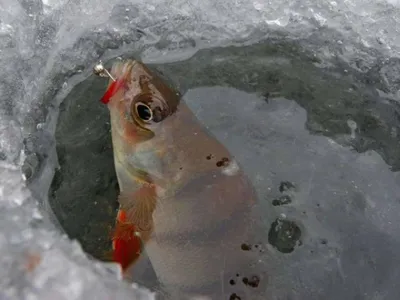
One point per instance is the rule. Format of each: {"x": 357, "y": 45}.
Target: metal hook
{"x": 99, "y": 70}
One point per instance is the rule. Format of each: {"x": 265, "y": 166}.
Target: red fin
{"x": 134, "y": 217}
{"x": 127, "y": 246}
{"x": 113, "y": 88}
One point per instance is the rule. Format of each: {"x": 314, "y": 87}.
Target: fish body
{"x": 183, "y": 196}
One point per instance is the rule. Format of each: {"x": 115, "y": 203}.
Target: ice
{"x": 10, "y": 139}
{"x": 44, "y": 45}
{"x": 37, "y": 262}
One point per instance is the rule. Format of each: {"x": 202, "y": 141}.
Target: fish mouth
{"x": 123, "y": 68}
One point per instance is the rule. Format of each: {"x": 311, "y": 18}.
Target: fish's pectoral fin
{"x": 139, "y": 206}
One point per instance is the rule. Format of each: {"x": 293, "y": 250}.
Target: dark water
{"x": 84, "y": 189}
{"x": 304, "y": 133}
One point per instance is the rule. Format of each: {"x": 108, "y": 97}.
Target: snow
{"x": 48, "y": 47}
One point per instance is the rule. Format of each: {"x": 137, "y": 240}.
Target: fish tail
{"x": 127, "y": 245}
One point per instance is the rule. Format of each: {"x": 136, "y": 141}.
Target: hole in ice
{"x": 84, "y": 189}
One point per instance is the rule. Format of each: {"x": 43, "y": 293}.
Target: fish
{"x": 185, "y": 202}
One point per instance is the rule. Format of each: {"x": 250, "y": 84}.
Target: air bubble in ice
{"x": 393, "y": 132}
{"x": 30, "y": 166}
{"x": 258, "y": 5}
{"x": 353, "y": 127}
{"x": 36, "y": 214}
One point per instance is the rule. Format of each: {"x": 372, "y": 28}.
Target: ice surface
{"x": 47, "y": 47}
{"x": 38, "y": 263}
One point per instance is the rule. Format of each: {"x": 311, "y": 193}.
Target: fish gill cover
{"x": 47, "y": 47}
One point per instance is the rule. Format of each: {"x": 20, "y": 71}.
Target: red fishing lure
{"x": 114, "y": 87}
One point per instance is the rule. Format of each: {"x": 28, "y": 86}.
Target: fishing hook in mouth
{"x": 99, "y": 70}
{"x": 114, "y": 87}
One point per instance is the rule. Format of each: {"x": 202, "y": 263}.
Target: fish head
{"x": 154, "y": 130}
{"x": 145, "y": 119}
{"x": 141, "y": 100}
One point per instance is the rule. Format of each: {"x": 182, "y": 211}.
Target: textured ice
{"x": 39, "y": 263}
{"x": 45, "y": 44}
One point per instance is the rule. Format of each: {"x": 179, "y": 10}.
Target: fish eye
{"x": 144, "y": 112}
